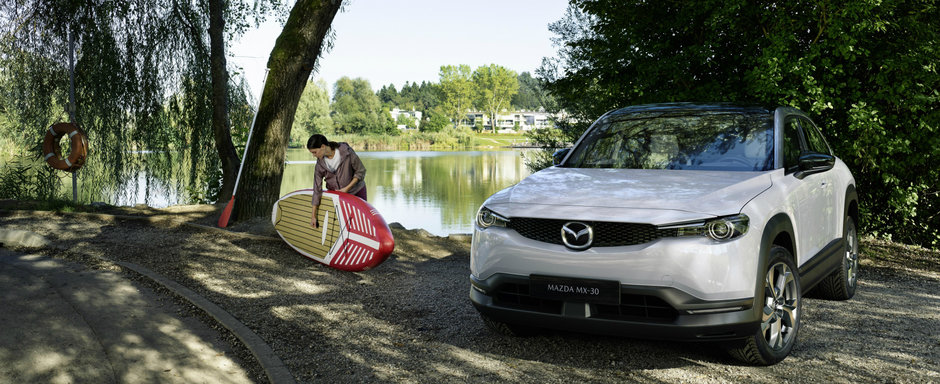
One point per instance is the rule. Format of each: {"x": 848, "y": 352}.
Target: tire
{"x": 507, "y": 329}
{"x": 782, "y": 309}
{"x": 842, "y": 283}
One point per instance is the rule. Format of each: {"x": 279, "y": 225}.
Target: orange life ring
{"x": 53, "y": 152}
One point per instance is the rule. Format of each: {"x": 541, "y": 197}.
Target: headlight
{"x": 720, "y": 229}
{"x": 487, "y": 218}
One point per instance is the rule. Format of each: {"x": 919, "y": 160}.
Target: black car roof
{"x": 691, "y": 107}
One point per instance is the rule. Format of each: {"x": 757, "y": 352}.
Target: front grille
{"x": 639, "y": 307}
{"x": 606, "y": 234}
{"x": 632, "y": 307}
{"x": 517, "y": 296}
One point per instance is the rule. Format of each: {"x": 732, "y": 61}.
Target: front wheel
{"x": 780, "y": 321}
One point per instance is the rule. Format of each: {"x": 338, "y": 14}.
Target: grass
{"x": 900, "y": 255}
{"x": 497, "y": 139}
{"x": 55, "y": 205}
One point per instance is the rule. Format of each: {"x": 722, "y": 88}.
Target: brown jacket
{"x": 349, "y": 166}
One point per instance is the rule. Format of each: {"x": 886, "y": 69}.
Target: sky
{"x": 391, "y": 42}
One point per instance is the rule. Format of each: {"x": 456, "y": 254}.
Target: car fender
{"x": 851, "y": 204}
{"x": 778, "y": 224}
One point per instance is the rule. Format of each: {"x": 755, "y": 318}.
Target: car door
{"x": 803, "y": 202}
{"x": 824, "y": 220}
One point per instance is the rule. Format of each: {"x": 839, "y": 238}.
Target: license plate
{"x": 581, "y": 290}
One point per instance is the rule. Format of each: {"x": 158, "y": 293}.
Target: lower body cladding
{"x": 605, "y": 307}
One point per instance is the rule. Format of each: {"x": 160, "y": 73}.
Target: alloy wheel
{"x": 851, "y": 256}
{"x": 781, "y": 306}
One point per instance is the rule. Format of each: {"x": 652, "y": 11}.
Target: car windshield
{"x": 703, "y": 141}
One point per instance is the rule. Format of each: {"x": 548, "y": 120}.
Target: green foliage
{"x": 437, "y": 122}
{"x": 388, "y": 96}
{"x": 495, "y": 85}
{"x": 406, "y": 120}
{"x": 457, "y": 91}
{"x": 313, "y": 114}
{"x": 356, "y": 109}
{"x": 866, "y": 71}
{"x": 449, "y": 138}
{"x": 532, "y": 96}
{"x": 141, "y": 86}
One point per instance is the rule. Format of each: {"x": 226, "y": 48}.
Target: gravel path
{"x": 410, "y": 319}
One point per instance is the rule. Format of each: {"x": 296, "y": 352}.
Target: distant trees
{"x": 313, "y": 113}
{"x": 532, "y": 95}
{"x": 457, "y": 91}
{"x": 356, "y": 109}
{"x": 460, "y": 90}
{"x": 495, "y": 87}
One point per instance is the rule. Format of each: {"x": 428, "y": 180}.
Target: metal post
{"x": 72, "y": 104}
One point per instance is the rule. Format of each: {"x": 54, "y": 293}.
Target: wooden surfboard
{"x": 352, "y": 235}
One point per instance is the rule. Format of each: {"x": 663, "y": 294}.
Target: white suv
{"x": 673, "y": 221}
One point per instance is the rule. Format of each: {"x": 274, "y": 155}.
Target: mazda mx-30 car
{"x": 675, "y": 221}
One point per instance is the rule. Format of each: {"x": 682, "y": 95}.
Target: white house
{"x": 413, "y": 114}
{"x": 512, "y": 121}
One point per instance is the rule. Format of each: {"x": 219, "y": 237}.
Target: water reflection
{"x": 436, "y": 191}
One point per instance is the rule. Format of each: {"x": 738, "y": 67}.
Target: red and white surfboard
{"x": 352, "y": 235}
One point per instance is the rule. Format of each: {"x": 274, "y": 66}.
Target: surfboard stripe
{"x": 368, "y": 228}
{"x": 365, "y": 241}
{"x": 343, "y": 257}
{"x": 356, "y": 222}
{"x": 354, "y": 255}
{"x": 349, "y": 212}
{"x": 360, "y": 223}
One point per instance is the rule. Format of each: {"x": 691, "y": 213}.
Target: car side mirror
{"x": 559, "y": 155}
{"x": 813, "y": 162}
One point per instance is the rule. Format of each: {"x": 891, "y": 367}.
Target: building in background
{"x": 512, "y": 122}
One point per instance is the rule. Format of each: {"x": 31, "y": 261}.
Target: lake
{"x": 437, "y": 191}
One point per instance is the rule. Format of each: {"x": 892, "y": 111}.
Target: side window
{"x": 814, "y": 139}
{"x": 791, "y": 144}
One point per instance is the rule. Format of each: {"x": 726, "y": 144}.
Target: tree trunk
{"x": 293, "y": 58}
{"x": 221, "y": 127}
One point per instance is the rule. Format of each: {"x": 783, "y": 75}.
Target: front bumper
{"x": 644, "y": 312}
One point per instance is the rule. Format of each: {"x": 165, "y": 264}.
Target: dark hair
{"x": 317, "y": 141}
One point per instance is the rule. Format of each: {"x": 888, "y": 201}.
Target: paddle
{"x": 227, "y": 212}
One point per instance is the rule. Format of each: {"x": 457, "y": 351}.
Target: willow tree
{"x": 142, "y": 85}
{"x": 294, "y": 56}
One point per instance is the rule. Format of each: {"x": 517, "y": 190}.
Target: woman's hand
{"x": 313, "y": 220}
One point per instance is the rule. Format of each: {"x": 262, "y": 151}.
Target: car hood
{"x": 636, "y": 195}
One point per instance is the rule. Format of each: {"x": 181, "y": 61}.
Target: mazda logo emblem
{"x": 577, "y": 235}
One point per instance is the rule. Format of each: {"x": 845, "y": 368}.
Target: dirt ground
{"x": 410, "y": 319}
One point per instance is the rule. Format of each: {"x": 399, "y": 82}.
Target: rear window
{"x": 708, "y": 141}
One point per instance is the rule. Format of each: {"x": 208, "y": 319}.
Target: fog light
{"x": 712, "y": 310}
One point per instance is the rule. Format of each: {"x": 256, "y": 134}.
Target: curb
{"x": 274, "y": 368}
